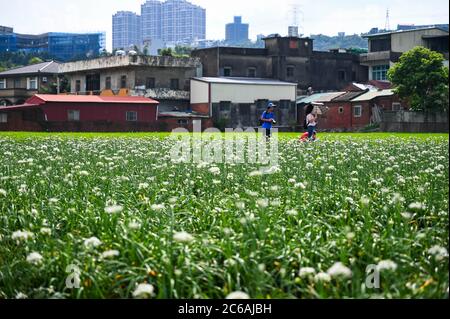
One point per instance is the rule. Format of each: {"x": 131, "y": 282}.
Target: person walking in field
{"x": 311, "y": 122}
{"x": 268, "y": 119}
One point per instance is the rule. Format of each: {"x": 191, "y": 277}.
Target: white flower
{"x": 255, "y": 174}
{"x": 263, "y": 202}
{"x": 438, "y": 252}
{"x": 365, "y": 200}
{"x": 406, "y": 215}
{"x": 34, "y": 258}
{"x": 21, "y": 295}
{"x": 292, "y": 212}
{"x": 214, "y": 170}
{"x": 2, "y": 192}
{"x": 339, "y": 270}
{"x": 84, "y": 173}
{"x": 92, "y": 242}
{"x": 183, "y": 237}
{"x": 300, "y": 185}
{"x": 143, "y": 291}
{"x": 240, "y": 205}
{"x": 143, "y": 186}
{"x": 157, "y": 207}
{"x": 322, "y": 276}
{"x": 22, "y": 235}
{"x": 386, "y": 265}
{"x": 134, "y": 225}
{"x": 238, "y": 295}
{"x": 417, "y": 206}
{"x": 110, "y": 254}
{"x": 306, "y": 271}
{"x": 291, "y": 181}
{"x": 46, "y": 231}
{"x": 114, "y": 209}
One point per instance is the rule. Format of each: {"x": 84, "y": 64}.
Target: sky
{"x": 264, "y": 16}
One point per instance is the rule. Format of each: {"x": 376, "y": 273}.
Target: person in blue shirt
{"x": 268, "y": 119}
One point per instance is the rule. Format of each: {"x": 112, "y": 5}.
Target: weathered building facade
{"x": 386, "y": 48}
{"x": 163, "y": 78}
{"x": 19, "y": 84}
{"x": 290, "y": 59}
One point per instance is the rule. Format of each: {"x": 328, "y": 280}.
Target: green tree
{"x": 421, "y": 79}
{"x": 166, "y": 52}
{"x": 35, "y": 60}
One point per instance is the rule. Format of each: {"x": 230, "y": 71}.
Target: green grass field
{"x": 135, "y": 224}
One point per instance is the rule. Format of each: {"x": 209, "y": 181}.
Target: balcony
{"x": 372, "y": 58}
{"x": 16, "y": 93}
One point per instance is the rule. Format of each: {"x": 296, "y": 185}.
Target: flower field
{"x": 115, "y": 217}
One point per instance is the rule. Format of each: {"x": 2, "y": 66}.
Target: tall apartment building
{"x": 237, "y": 32}
{"x": 173, "y": 21}
{"x": 127, "y": 30}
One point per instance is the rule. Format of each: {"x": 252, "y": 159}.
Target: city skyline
{"x": 273, "y": 16}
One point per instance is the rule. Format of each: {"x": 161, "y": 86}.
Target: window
{"x": 251, "y": 72}
{"x": 150, "y": 83}
{"x": 2, "y": 83}
{"x": 396, "y": 106}
{"x": 357, "y": 111}
{"x": 123, "y": 82}
{"x": 284, "y": 104}
{"x": 73, "y": 115}
{"x": 227, "y": 71}
{"x": 131, "y": 116}
{"x": 341, "y": 110}
{"x": 341, "y": 75}
{"x": 174, "y": 84}
{"x": 293, "y": 44}
{"x": 32, "y": 83}
{"x": 44, "y": 79}
{"x": 108, "y": 83}
{"x": 225, "y": 106}
{"x": 17, "y": 83}
{"x": 77, "y": 86}
{"x": 183, "y": 122}
{"x": 290, "y": 71}
{"x": 379, "y": 72}
{"x": 3, "y": 118}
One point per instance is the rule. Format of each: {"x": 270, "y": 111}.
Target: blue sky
{"x": 264, "y": 16}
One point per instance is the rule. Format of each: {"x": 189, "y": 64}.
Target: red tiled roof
{"x": 94, "y": 99}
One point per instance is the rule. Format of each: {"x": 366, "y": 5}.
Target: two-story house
{"x": 386, "y": 48}
{"x": 19, "y": 84}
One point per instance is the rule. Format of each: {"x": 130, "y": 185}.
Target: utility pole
{"x": 387, "y": 26}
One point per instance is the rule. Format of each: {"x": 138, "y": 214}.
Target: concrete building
{"x": 163, "y": 78}
{"x": 386, "y": 48}
{"x": 236, "y": 32}
{"x": 289, "y": 59}
{"x": 239, "y": 102}
{"x": 60, "y": 46}
{"x": 173, "y": 21}
{"x": 19, "y": 84}
{"x": 127, "y": 30}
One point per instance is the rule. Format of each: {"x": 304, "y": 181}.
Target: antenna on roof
{"x": 387, "y": 25}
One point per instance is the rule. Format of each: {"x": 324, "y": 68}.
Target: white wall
{"x": 249, "y": 93}
{"x": 199, "y": 92}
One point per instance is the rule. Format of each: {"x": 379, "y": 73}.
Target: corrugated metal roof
{"x": 17, "y": 107}
{"x": 45, "y": 67}
{"x": 347, "y": 96}
{"x": 373, "y": 94}
{"x": 95, "y": 99}
{"x": 319, "y": 97}
{"x": 246, "y": 81}
{"x": 179, "y": 114}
